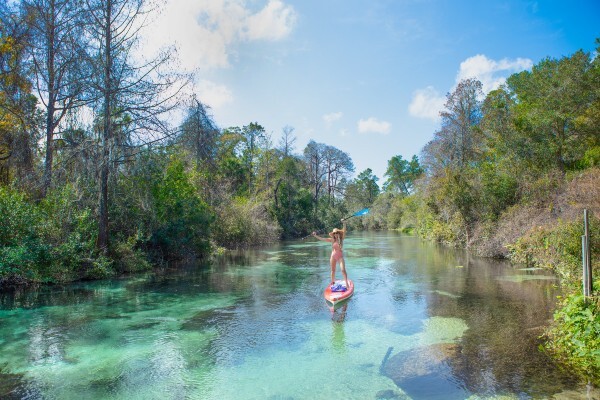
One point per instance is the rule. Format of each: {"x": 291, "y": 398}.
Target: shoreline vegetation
{"x": 506, "y": 174}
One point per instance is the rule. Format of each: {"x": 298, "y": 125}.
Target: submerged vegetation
{"x": 95, "y": 182}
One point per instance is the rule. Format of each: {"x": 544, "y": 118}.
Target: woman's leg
{"x": 332, "y": 263}
{"x": 343, "y": 268}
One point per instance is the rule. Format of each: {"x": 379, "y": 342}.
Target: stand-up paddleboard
{"x": 334, "y": 296}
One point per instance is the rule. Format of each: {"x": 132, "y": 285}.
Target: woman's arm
{"x": 320, "y": 238}
{"x": 344, "y": 227}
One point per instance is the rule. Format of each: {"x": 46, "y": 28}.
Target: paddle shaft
{"x": 356, "y": 214}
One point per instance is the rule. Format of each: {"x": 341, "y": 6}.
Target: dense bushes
{"x": 182, "y": 219}
{"x": 52, "y": 241}
{"x": 558, "y": 247}
{"x": 243, "y": 222}
{"x": 575, "y": 336}
{"x": 158, "y": 215}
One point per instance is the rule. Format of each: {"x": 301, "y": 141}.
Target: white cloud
{"x": 273, "y": 22}
{"x": 332, "y": 117}
{"x": 426, "y": 103}
{"x": 213, "y": 94}
{"x": 206, "y": 32}
{"x": 373, "y": 125}
{"x": 489, "y": 72}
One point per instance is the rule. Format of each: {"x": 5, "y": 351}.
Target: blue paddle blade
{"x": 361, "y": 212}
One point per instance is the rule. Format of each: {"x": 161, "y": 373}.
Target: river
{"x": 425, "y": 322}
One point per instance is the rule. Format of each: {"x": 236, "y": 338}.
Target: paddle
{"x": 356, "y": 214}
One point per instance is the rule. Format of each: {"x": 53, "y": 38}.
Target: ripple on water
{"x": 261, "y": 330}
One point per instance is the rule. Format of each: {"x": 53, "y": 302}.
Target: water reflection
{"x": 425, "y": 321}
{"x": 338, "y": 316}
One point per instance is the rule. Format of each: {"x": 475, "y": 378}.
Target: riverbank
{"x": 543, "y": 231}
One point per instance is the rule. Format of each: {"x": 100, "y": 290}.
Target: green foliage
{"x": 552, "y": 97}
{"x": 363, "y": 191}
{"x": 18, "y": 218}
{"x": 292, "y": 209}
{"x": 401, "y": 174}
{"x": 183, "y": 219}
{"x": 128, "y": 256}
{"x": 378, "y": 212}
{"x": 575, "y": 336}
{"x": 498, "y": 191}
{"x": 558, "y": 247}
{"x": 591, "y": 158}
{"x": 52, "y": 241}
{"x": 243, "y": 222}
{"x": 292, "y": 203}
{"x": 404, "y": 213}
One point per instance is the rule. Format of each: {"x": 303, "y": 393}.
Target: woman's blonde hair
{"x": 338, "y": 235}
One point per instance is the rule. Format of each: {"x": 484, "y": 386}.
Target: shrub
{"x": 498, "y": 192}
{"x": 591, "y": 158}
{"x": 574, "y": 337}
{"x": 183, "y": 219}
{"x": 128, "y": 257}
{"x": 52, "y": 241}
{"x": 557, "y": 247}
{"x": 22, "y": 252}
{"x": 243, "y": 222}
{"x": 18, "y": 217}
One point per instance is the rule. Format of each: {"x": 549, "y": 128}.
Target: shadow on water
{"x": 338, "y": 316}
{"x": 10, "y": 384}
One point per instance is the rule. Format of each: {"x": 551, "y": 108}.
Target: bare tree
{"x": 460, "y": 134}
{"x": 200, "y": 132}
{"x": 339, "y": 166}
{"x": 56, "y": 56}
{"x": 459, "y": 140}
{"x": 313, "y": 156}
{"x": 287, "y": 140}
{"x": 133, "y": 96}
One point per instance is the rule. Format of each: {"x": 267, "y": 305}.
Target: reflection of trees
{"x": 10, "y": 384}
{"x": 499, "y": 351}
{"x": 32, "y": 297}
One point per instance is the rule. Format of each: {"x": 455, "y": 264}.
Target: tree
{"x": 451, "y": 157}
{"x": 550, "y": 101}
{"x": 56, "y": 59}
{"x": 315, "y": 160}
{"x": 328, "y": 168}
{"x": 363, "y": 190}
{"x": 459, "y": 133}
{"x": 132, "y": 99}
{"x": 292, "y": 201}
{"x": 200, "y": 133}
{"x": 287, "y": 140}
{"x": 339, "y": 166}
{"x": 19, "y": 118}
{"x": 402, "y": 174}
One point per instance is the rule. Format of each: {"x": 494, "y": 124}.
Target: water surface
{"x": 425, "y": 322}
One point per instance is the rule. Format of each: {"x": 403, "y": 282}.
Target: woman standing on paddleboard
{"x": 336, "y": 238}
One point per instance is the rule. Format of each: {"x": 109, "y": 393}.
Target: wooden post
{"x": 586, "y": 256}
{"x": 586, "y": 292}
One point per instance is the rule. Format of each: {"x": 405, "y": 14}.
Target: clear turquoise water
{"x": 425, "y": 322}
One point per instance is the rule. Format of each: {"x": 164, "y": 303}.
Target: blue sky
{"x": 368, "y": 77}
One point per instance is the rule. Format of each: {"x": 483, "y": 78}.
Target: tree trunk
{"x": 49, "y": 148}
{"x": 47, "y": 181}
{"x": 102, "y": 242}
